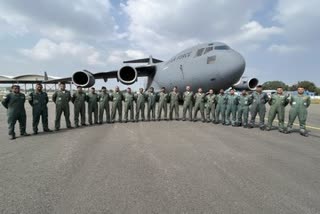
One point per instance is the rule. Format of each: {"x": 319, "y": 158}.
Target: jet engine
{"x": 127, "y": 75}
{"x": 83, "y": 78}
{"x": 246, "y": 84}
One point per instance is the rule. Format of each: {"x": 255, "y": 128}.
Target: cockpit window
{"x": 222, "y": 47}
{"x": 208, "y": 49}
{"x": 199, "y": 52}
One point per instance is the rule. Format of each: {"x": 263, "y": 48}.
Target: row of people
{"x": 229, "y": 109}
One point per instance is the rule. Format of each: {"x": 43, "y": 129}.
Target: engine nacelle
{"x": 127, "y": 75}
{"x": 84, "y": 79}
{"x": 246, "y": 84}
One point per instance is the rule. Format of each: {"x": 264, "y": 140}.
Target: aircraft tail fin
{"x": 149, "y": 60}
{"x": 46, "y": 76}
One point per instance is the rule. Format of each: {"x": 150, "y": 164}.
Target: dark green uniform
{"x": 258, "y": 107}
{"x": 222, "y": 100}
{"x": 243, "y": 110}
{"x": 140, "y": 105}
{"x": 104, "y": 99}
{"x": 117, "y": 98}
{"x": 199, "y": 105}
{"x": 211, "y": 107}
{"x": 14, "y": 103}
{"x": 162, "y": 105}
{"x": 78, "y": 99}
{"x": 174, "y": 105}
{"x": 92, "y": 100}
{"x": 152, "y": 97}
{"x": 299, "y": 105}
{"x": 62, "y": 99}
{"x": 232, "y": 108}
{"x": 128, "y": 106}
{"x": 187, "y": 104}
{"x": 277, "y": 102}
{"x": 39, "y": 101}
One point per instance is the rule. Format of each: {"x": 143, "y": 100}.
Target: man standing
{"x": 162, "y": 105}
{"x": 62, "y": 98}
{"x": 232, "y": 107}
{"x": 104, "y": 105}
{"x": 243, "y": 109}
{"x": 259, "y": 100}
{"x": 211, "y": 106}
{"x": 14, "y": 103}
{"x": 222, "y": 100}
{"x": 117, "y": 98}
{"x": 140, "y": 104}
{"x": 128, "y": 105}
{"x": 92, "y": 100}
{"x": 39, "y": 100}
{"x": 187, "y": 103}
{"x": 199, "y": 105}
{"x": 151, "y": 96}
{"x": 299, "y": 104}
{"x": 278, "y": 102}
{"x": 78, "y": 99}
{"x": 174, "y": 103}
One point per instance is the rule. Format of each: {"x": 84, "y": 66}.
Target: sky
{"x": 279, "y": 39}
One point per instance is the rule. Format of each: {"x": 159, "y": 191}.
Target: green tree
{"x": 309, "y": 86}
{"x": 272, "y": 85}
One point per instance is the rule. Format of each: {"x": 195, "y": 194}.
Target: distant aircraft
{"x": 210, "y": 65}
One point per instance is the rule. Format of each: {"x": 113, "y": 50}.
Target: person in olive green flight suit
{"x": 258, "y": 106}
{"x": 278, "y": 102}
{"x": 79, "y": 101}
{"x": 199, "y": 98}
{"x": 187, "y": 103}
{"x": 299, "y": 105}
{"x": 62, "y": 98}
{"x": 104, "y": 105}
{"x": 14, "y": 103}
{"x": 140, "y": 98}
{"x": 243, "y": 109}
{"x": 128, "y": 105}
{"x": 39, "y": 100}
{"x": 151, "y": 101}
{"x": 174, "y": 97}
{"x": 232, "y": 108}
{"x": 163, "y": 103}
{"x": 92, "y": 99}
{"x": 210, "y": 106}
{"x": 222, "y": 100}
{"x": 117, "y": 98}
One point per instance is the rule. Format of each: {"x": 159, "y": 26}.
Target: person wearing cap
{"x": 116, "y": 98}
{"x": 128, "y": 105}
{"x": 151, "y": 104}
{"x": 163, "y": 103}
{"x": 104, "y": 99}
{"x": 62, "y": 98}
{"x": 79, "y": 103}
{"x": 174, "y": 103}
{"x": 39, "y": 100}
{"x": 14, "y": 103}
{"x": 258, "y": 106}
{"x": 187, "y": 103}
{"x": 140, "y": 99}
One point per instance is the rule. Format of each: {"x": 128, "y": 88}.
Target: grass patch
{"x": 315, "y": 101}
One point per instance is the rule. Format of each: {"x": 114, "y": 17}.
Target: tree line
{"x": 308, "y": 85}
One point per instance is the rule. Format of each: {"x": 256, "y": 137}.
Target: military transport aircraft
{"x": 210, "y": 65}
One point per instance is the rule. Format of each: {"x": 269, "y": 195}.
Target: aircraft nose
{"x": 237, "y": 65}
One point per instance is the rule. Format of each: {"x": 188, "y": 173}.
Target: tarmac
{"x": 160, "y": 167}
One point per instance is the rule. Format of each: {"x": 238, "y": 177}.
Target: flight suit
{"x": 277, "y": 106}
{"x": 140, "y": 105}
{"x": 117, "y": 98}
{"x": 92, "y": 100}
{"x": 199, "y": 105}
{"x": 299, "y": 105}
{"x": 187, "y": 104}
{"x": 39, "y": 101}
{"x": 210, "y": 107}
{"x": 152, "y": 97}
{"x": 78, "y": 100}
{"x": 128, "y": 105}
{"x": 62, "y": 99}
{"x": 162, "y": 105}
{"x": 258, "y": 106}
{"x": 232, "y": 108}
{"x": 222, "y": 101}
{"x": 174, "y": 104}
{"x": 104, "y": 107}
{"x": 243, "y": 110}
{"x": 14, "y": 103}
